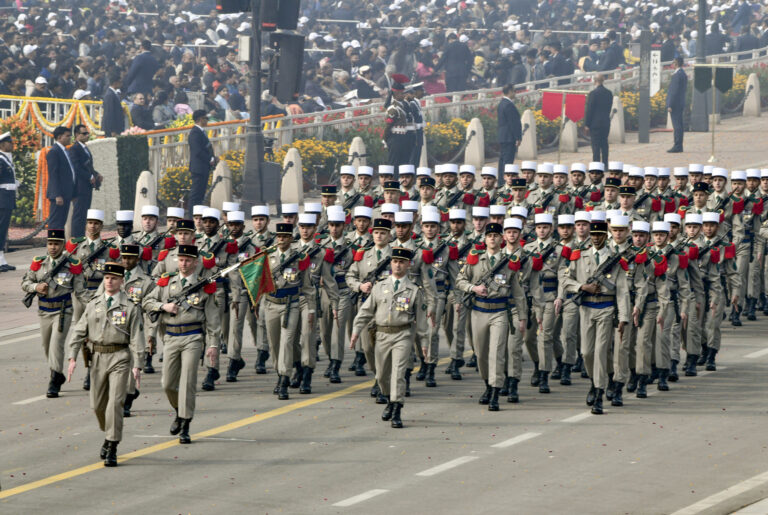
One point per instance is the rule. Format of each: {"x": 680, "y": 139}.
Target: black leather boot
{"x": 505, "y": 388}
{"x": 176, "y": 424}
{"x": 360, "y": 367}
{"x": 430, "y": 379}
{"x": 87, "y": 380}
{"x": 306, "y": 381}
{"x": 609, "y": 390}
{"x": 282, "y": 394}
{"x": 632, "y": 384}
{"x": 449, "y": 368}
{"x": 148, "y": 368}
{"x": 375, "y": 391}
{"x": 353, "y": 365}
{"x": 335, "y": 366}
{"x": 276, "y": 389}
{"x": 224, "y": 348}
{"x": 654, "y": 375}
{"x": 456, "y": 372}
{"x": 642, "y": 381}
{"x": 543, "y": 382}
{"x": 397, "y": 423}
{"x": 184, "y": 433}
{"x": 535, "y": 374}
{"x": 128, "y": 404}
{"x": 261, "y": 362}
{"x": 104, "y": 450}
{"x": 703, "y": 358}
{"x": 472, "y": 363}
{"x": 53, "y": 388}
{"x": 673, "y": 376}
{"x": 557, "y": 373}
{"x": 565, "y": 375}
{"x": 735, "y": 317}
{"x": 327, "y": 372}
{"x": 591, "y": 395}
{"x": 597, "y": 407}
{"x": 298, "y": 373}
{"x": 422, "y": 373}
{"x": 750, "y": 309}
{"x": 387, "y": 413}
{"x": 110, "y": 460}
{"x": 690, "y": 368}
{"x": 711, "y": 366}
{"x": 617, "y": 400}
{"x": 486, "y": 397}
{"x": 380, "y": 399}
{"x": 579, "y": 365}
{"x": 208, "y": 382}
{"x": 493, "y": 403}
{"x": 663, "y": 375}
{"x": 235, "y": 365}
{"x": 512, "y": 395}
{"x": 408, "y": 382}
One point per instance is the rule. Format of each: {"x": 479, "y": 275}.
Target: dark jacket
{"x": 61, "y": 182}
{"x": 7, "y": 197}
{"x": 112, "y": 118}
{"x": 140, "y": 74}
{"x": 200, "y": 152}
{"x": 456, "y": 60}
{"x": 510, "y": 129}
{"x": 668, "y": 51}
{"x": 141, "y": 116}
{"x": 678, "y": 86}
{"x": 598, "y": 111}
{"x": 82, "y": 161}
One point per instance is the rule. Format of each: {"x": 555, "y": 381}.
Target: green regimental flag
{"x": 257, "y": 277}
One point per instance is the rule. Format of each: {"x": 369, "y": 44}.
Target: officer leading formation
{"x": 615, "y": 278}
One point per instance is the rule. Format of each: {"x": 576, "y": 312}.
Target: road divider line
{"x": 577, "y": 418}
{"x": 733, "y": 491}
{"x": 446, "y": 466}
{"x": 20, "y": 339}
{"x": 30, "y": 400}
{"x": 19, "y": 330}
{"x": 360, "y": 498}
{"x": 757, "y": 354}
{"x": 516, "y": 440}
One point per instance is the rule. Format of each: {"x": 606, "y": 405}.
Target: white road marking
{"x": 446, "y": 466}
{"x": 30, "y": 400}
{"x": 516, "y": 440}
{"x": 577, "y": 418}
{"x": 758, "y": 508}
{"x": 757, "y": 354}
{"x": 360, "y": 498}
{"x": 19, "y": 330}
{"x": 20, "y": 339}
{"x": 726, "y": 494}
{"x": 203, "y": 438}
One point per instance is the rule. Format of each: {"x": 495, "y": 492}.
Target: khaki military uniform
{"x": 335, "y": 333}
{"x": 713, "y": 290}
{"x": 258, "y": 327}
{"x": 240, "y": 302}
{"x": 114, "y": 332}
{"x": 399, "y": 316}
{"x": 569, "y": 329}
{"x": 515, "y": 338}
{"x": 456, "y": 312}
{"x": 440, "y": 278}
{"x": 224, "y": 251}
{"x": 751, "y": 286}
{"x": 625, "y": 345}
{"x": 144, "y": 239}
{"x": 137, "y": 285}
{"x": 691, "y": 334}
{"x": 82, "y": 248}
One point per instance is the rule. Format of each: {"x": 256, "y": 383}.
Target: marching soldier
{"x": 560, "y": 183}
{"x": 173, "y": 215}
{"x": 625, "y": 362}
{"x": 456, "y": 321}
{"x": 197, "y": 217}
{"x": 610, "y": 195}
{"x": 261, "y": 238}
{"x": 569, "y": 323}
{"x": 753, "y": 211}
{"x": 528, "y": 173}
{"x": 167, "y": 260}
{"x": 329, "y": 196}
{"x": 578, "y": 189}
{"x": 365, "y": 185}
{"x": 124, "y": 221}
{"x": 187, "y": 331}
{"x": 511, "y": 172}
{"x": 360, "y": 238}
{"x": 53, "y": 279}
{"x": 545, "y": 199}
{"x": 407, "y": 177}
{"x": 514, "y": 369}
{"x": 490, "y": 281}
{"x": 692, "y": 332}
{"x": 151, "y": 241}
{"x": 290, "y": 214}
{"x": 399, "y": 311}
{"x": 489, "y": 176}
{"x": 348, "y": 195}
{"x": 112, "y": 326}
{"x": 386, "y": 174}
{"x": 627, "y": 196}
{"x": 467, "y": 185}
{"x": 594, "y": 192}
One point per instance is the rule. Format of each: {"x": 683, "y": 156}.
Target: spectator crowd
{"x": 164, "y": 60}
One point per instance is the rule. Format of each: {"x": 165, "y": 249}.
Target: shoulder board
{"x": 72, "y": 244}
{"x": 75, "y": 266}
{"x": 37, "y": 263}
{"x": 198, "y": 236}
{"x": 73, "y": 260}
{"x": 39, "y": 259}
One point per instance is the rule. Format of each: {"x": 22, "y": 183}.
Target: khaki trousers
{"x": 515, "y": 348}
{"x": 181, "y": 359}
{"x": 569, "y": 333}
{"x": 237, "y": 326}
{"x": 491, "y": 332}
{"x": 646, "y": 338}
{"x": 434, "y": 332}
{"x": 393, "y": 352}
{"x": 307, "y": 338}
{"x": 53, "y": 340}
{"x": 691, "y": 335}
{"x": 282, "y": 339}
{"x": 596, "y": 332}
{"x": 341, "y": 331}
{"x": 545, "y": 338}
{"x": 109, "y": 380}
{"x": 458, "y": 327}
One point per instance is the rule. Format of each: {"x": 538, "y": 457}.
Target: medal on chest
{"x": 118, "y": 317}
{"x": 290, "y": 274}
{"x": 402, "y": 303}
{"x": 500, "y": 279}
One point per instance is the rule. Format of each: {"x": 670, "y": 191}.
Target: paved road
{"x": 329, "y": 452}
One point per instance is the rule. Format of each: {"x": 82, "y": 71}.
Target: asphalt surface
{"x": 701, "y": 447}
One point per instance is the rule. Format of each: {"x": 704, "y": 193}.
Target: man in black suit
{"x": 201, "y": 159}
{"x": 61, "y": 178}
{"x": 457, "y": 62}
{"x": 510, "y": 130}
{"x": 746, "y": 42}
{"x": 112, "y": 117}
{"x": 87, "y": 179}
{"x": 142, "y": 71}
{"x": 597, "y": 119}
{"x": 559, "y": 65}
{"x": 7, "y": 195}
{"x": 678, "y": 86}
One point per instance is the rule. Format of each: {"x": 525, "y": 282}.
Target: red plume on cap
{"x": 399, "y": 77}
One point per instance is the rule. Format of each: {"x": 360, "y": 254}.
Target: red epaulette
{"x": 669, "y": 206}
{"x": 641, "y": 257}
{"x": 473, "y": 257}
{"x": 682, "y": 261}
{"x": 71, "y": 245}
{"x": 359, "y": 255}
{"x": 304, "y": 262}
{"x": 163, "y": 254}
{"x": 693, "y": 251}
{"x": 146, "y": 253}
{"x": 578, "y": 202}
{"x": 329, "y": 256}
{"x": 37, "y": 263}
{"x": 484, "y": 200}
{"x": 564, "y": 198}
{"x": 114, "y": 252}
{"x": 757, "y": 207}
{"x": 169, "y": 243}
{"x": 566, "y": 252}
{"x": 537, "y": 263}
{"x": 738, "y": 206}
{"x": 514, "y": 263}
{"x": 231, "y": 247}
{"x": 164, "y": 280}
{"x": 428, "y": 256}
{"x": 660, "y": 267}
{"x": 624, "y": 264}
{"x": 210, "y": 288}
{"x": 575, "y": 255}
{"x": 368, "y": 201}
{"x": 656, "y": 205}
{"x": 453, "y": 252}
{"x": 468, "y": 199}
{"x": 730, "y": 251}
{"x": 714, "y": 256}
{"x": 595, "y": 196}
{"x": 209, "y": 261}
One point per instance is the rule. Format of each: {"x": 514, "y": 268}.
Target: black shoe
{"x": 408, "y": 382}
{"x": 276, "y": 389}
{"x": 184, "y": 433}
{"x": 703, "y": 358}
{"x": 456, "y": 372}
{"x": 282, "y": 393}
{"x": 148, "y": 368}
{"x": 505, "y": 389}
{"x": 472, "y": 363}
{"x": 673, "y": 376}
{"x": 750, "y": 309}
{"x": 597, "y": 407}
{"x": 104, "y": 450}
{"x": 663, "y": 375}
{"x": 261, "y": 362}
{"x": 306, "y": 381}
{"x": 591, "y": 395}
{"x": 53, "y": 387}
{"x": 735, "y": 320}
{"x": 87, "y": 380}
{"x": 632, "y": 384}
{"x": 711, "y": 366}
{"x": 335, "y": 366}
{"x": 327, "y": 372}
{"x": 397, "y": 423}
{"x": 387, "y": 413}
{"x": 654, "y": 375}
{"x": 375, "y": 391}
{"x": 128, "y": 404}
{"x": 298, "y": 373}
{"x": 535, "y": 374}
{"x": 642, "y": 381}
{"x": 224, "y": 348}
{"x": 235, "y": 365}
{"x": 543, "y": 382}
{"x": 7, "y": 268}
{"x": 486, "y": 397}
{"x": 208, "y": 382}
{"x": 579, "y": 365}
{"x": 380, "y": 399}
{"x": 617, "y": 400}
{"x": 176, "y": 424}
{"x": 353, "y": 365}
{"x": 584, "y": 373}
{"x": 512, "y": 395}
{"x": 449, "y": 368}
{"x": 565, "y": 376}
{"x": 609, "y": 390}
{"x": 557, "y": 373}
{"x": 360, "y": 366}
{"x": 110, "y": 460}
{"x": 493, "y": 403}
{"x": 422, "y": 373}
{"x": 430, "y": 378}
{"x": 690, "y": 366}
{"x": 674, "y": 150}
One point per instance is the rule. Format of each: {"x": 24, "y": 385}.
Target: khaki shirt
{"x": 64, "y": 283}
{"x": 92, "y": 273}
{"x": 389, "y": 308}
{"x": 542, "y": 284}
{"x": 361, "y": 268}
{"x": 731, "y": 222}
{"x": 292, "y": 277}
{"x": 504, "y": 284}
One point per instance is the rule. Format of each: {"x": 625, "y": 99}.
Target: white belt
{"x": 420, "y": 125}
{"x": 398, "y": 130}
{"x": 410, "y": 127}
{"x": 9, "y": 187}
